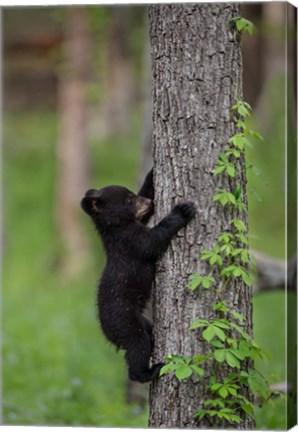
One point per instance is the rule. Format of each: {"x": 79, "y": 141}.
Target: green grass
{"x": 267, "y": 230}
{"x": 58, "y": 369}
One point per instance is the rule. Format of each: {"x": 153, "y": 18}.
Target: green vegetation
{"x": 266, "y": 175}
{"x": 228, "y": 343}
{"x": 244, "y": 25}
{"x": 58, "y": 369}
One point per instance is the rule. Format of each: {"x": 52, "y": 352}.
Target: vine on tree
{"x": 229, "y": 258}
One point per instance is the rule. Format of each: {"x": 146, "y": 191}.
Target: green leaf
{"x": 234, "y": 418}
{"x": 240, "y": 24}
{"x": 237, "y": 192}
{"x": 208, "y": 281}
{"x": 247, "y": 408}
{"x": 242, "y": 108}
{"x": 176, "y": 359}
{"x": 245, "y": 256}
{"x": 240, "y": 354}
{"x": 243, "y": 111}
{"x": 258, "y": 384}
{"x": 200, "y": 358}
{"x": 224, "y": 200}
{"x": 241, "y": 125}
{"x": 231, "y": 170}
{"x": 194, "y": 281}
{"x": 168, "y": 368}
{"x": 220, "y": 322}
{"x": 216, "y": 343}
{"x": 242, "y": 238}
{"x": 237, "y": 272}
{"x": 230, "y": 378}
{"x": 219, "y": 169}
{"x": 236, "y": 252}
{"x": 221, "y": 306}
{"x": 220, "y": 334}
{"x": 199, "y": 371}
{"x": 241, "y": 206}
{"x": 255, "y": 135}
{"x": 215, "y": 403}
{"x": 228, "y": 271}
{"x": 223, "y": 157}
{"x": 225, "y": 237}
{"x": 209, "y": 333}
{"x": 238, "y": 316}
{"x": 239, "y": 225}
{"x": 232, "y": 342}
{"x": 233, "y": 152}
{"x": 206, "y": 254}
{"x": 215, "y": 386}
{"x": 232, "y": 360}
{"x": 232, "y": 198}
{"x": 183, "y": 372}
{"x": 216, "y": 248}
{"x": 226, "y": 250}
{"x": 199, "y": 323}
{"x": 200, "y": 413}
{"x": 238, "y": 140}
{"x": 217, "y": 197}
{"x": 223, "y": 392}
{"x": 246, "y": 277}
{"x": 224, "y": 197}
{"x": 240, "y": 330}
{"x": 220, "y": 355}
{"x": 213, "y": 259}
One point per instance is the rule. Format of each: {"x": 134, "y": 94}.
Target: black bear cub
{"x": 132, "y": 250}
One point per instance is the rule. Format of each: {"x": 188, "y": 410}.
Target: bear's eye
{"x": 129, "y": 200}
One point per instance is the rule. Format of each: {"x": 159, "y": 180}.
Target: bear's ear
{"x": 91, "y": 205}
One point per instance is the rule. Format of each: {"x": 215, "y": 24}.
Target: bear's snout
{"x": 143, "y": 206}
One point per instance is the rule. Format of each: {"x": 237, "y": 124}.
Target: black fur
{"x": 132, "y": 251}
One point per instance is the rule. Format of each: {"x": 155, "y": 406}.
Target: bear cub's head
{"x": 114, "y": 205}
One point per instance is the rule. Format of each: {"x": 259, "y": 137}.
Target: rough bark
{"x": 72, "y": 149}
{"x": 197, "y": 70}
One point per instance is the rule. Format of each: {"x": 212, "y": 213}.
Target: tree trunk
{"x": 197, "y": 77}
{"x": 73, "y": 161}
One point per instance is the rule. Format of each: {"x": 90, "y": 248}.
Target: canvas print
{"x": 149, "y": 216}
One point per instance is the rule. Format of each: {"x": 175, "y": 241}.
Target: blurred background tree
{"x": 57, "y": 367}
{"x": 73, "y": 172}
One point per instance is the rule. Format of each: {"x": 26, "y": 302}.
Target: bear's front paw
{"x": 186, "y": 210}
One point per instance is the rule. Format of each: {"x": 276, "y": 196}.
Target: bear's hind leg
{"x": 138, "y": 352}
{"x": 138, "y": 359}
